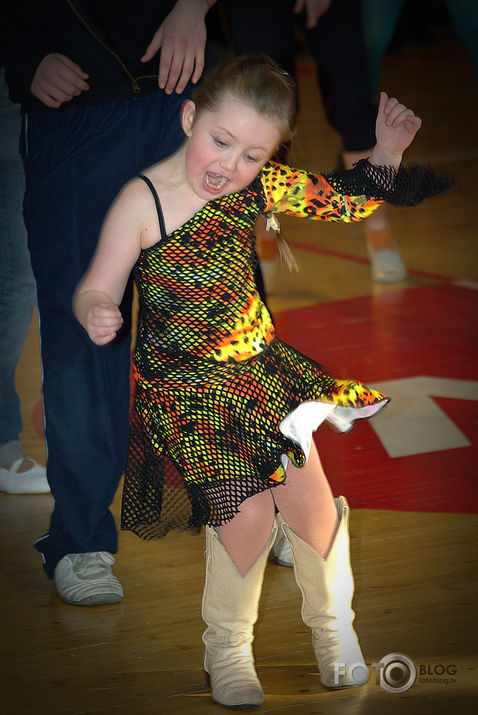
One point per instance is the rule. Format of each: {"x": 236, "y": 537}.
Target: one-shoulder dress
{"x": 221, "y": 403}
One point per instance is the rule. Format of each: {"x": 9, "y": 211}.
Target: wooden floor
{"x": 416, "y": 572}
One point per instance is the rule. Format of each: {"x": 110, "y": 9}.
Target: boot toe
{"x": 240, "y": 697}
{"x": 355, "y": 674}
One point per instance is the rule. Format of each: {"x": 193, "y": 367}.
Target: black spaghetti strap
{"x": 162, "y": 226}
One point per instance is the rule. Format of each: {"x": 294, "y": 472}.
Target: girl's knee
{"x": 258, "y": 507}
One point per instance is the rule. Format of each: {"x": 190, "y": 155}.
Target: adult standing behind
{"x": 96, "y": 111}
{"x": 380, "y": 20}
{"x": 333, "y": 31}
{"x": 18, "y": 473}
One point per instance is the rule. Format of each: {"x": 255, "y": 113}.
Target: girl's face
{"x": 226, "y": 147}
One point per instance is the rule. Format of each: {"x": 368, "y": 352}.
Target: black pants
{"x": 337, "y": 46}
{"x": 76, "y": 160}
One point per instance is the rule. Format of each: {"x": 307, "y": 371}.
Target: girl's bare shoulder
{"x": 134, "y": 210}
{"x": 136, "y": 198}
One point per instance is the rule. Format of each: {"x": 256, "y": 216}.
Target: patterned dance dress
{"x": 221, "y": 404}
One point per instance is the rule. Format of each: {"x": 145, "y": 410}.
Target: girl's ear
{"x": 188, "y": 113}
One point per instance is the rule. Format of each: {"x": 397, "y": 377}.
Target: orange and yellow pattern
{"x": 213, "y": 381}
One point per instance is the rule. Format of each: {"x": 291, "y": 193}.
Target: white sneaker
{"x": 387, "y": 265}
{"x": 87, "y": 579}
{"x": 33, "y": 481}
{"x": 281, "y": 550}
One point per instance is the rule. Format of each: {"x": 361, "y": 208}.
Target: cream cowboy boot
{"x": 327, "y": 589}
{"x": 229, "y": 608}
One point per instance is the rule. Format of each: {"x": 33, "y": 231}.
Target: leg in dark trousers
{"x": 76, "y": 160}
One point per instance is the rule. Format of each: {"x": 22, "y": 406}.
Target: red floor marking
{"x": 359, "y": 259}
{"x": 421, "y": 331}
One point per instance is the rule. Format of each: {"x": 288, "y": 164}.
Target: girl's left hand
{"x": 396, "y": 125}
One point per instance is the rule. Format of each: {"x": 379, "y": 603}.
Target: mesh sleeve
{"x": 405, "y": 187}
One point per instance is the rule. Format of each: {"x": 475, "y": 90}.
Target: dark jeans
{"x": 76, "y": 160}
{"x": 337, "y": 46}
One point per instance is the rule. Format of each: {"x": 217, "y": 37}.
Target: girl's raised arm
{"x": 395, "y": 130}
{"x": 98, "y": 295}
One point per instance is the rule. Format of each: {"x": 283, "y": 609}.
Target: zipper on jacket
{"x": 134, "y": 83}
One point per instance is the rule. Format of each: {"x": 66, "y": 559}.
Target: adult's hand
{"x": 314, "y": 10}
{"x": 182, "y": 41}
{"x": 57, "y": 80}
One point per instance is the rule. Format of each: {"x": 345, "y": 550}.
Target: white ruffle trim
{"x": 300, "y": 424}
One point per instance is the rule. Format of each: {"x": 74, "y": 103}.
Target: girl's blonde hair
{"x": 256, "y": 80}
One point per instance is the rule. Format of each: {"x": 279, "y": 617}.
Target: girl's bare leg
{"x": 306, "y": 503}
{"x": 246, "y": 535}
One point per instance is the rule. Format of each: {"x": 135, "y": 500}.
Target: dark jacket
{"x": 106, "y": 38}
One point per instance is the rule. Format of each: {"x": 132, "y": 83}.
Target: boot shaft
{"x": 230, "y": 601}
{"x": 229, "y": 608}
{"x": 327, "y": 585}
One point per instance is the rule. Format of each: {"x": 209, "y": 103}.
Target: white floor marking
{"x": 413, "y": 423}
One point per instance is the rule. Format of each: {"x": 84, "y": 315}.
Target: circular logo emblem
{"x": 397, "y": 672}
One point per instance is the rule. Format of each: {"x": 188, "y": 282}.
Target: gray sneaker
{"x": 87, "y": 579}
